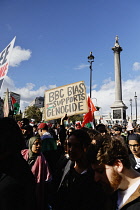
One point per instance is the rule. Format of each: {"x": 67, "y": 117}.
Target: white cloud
{"x": 93, "y": 87}
{"x": 52, "y": 86}
{"x": 81, "y": 66}
{"x": 136, "y": 66}
{"x": 108, "y": 84}
{"x": 104, "y": 97}
{"x": 27, "y": 93}
{"x": 18, "y": 55}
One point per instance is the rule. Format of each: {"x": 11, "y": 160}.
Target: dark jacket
{"x": 62, "y": 134}
{"x": 133, "y": 203}
{"x": 17, "y": 185}
{"x": 49, "y": 150}
{"x": 78, "y": 192}
{"x": 48, "y": 143}
{"x": 133, "y": 162}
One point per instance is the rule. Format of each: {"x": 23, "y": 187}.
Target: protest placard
{"x": 69, "y": 99}
{"x": 4, "y": 60}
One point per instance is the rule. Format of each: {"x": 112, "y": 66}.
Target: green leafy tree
{"x": 75, "y": 118}
{"x": 17, "y": 117}
{"x": 33, "y": 112}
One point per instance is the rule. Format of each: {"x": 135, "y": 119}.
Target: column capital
{"x": 117, "y": 49}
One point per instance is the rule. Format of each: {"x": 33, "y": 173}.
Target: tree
{"x": 17, "y": 117}
{"x": 33, "y": 112}
{"x": 72, "y": 118}
{"x": 75, "y": 118}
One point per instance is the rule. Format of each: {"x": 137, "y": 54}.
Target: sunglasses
{"x": 134, "y": 145}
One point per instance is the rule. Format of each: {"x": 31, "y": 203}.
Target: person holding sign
{"x": 49, "y": 146}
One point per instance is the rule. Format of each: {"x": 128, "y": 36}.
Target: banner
{"x": 6, "y": 104}
{"x": 4, "y": 60}
{"x": 69, "y": 99}
{"x": 88, "y": 117}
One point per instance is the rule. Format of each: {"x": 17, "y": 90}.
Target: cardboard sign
{"x": 69, "y": 99}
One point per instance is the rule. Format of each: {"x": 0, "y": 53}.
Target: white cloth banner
{"x": 4, "y": 60}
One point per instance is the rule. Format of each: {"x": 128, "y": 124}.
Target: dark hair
{"x": 117, "y": 128}
{"x": 11, "y": 137}
{"x": 135, "y": 137}
{"x": 108, "y": 150}
{"x": 137, "y": 130}
{"x": 71, "y": 128}
{"x": 27, "y": 127}
{"x": 85, "y": 129}
{"x": 92, "y": 133}
{"x": 25, "y": 121}
{"x": 101, "y": 128}
{"x": 35, "y": 126}
{"x": 82, "y": 137}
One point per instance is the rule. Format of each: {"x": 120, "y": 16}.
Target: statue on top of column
{"x": 117, "y": 41}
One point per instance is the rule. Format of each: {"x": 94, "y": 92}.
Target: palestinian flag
{"x": 88, "y": 117}
{"x": 15, "y": 105}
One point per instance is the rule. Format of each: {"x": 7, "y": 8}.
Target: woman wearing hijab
{"x": 38, "y": 166}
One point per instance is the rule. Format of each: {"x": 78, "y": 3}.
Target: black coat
{"x": 17, "y": 185}
{"x": 134, "y": 205}
{"x": 133, "y": 202}
{"x": 133, "y": 162}
{"x": 78, "y": 192}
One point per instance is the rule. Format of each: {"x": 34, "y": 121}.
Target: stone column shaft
{"x": 118, "y": 86}
{"x": 118, "y": 108}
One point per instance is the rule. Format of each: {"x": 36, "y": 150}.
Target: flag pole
{"x": 6, "y": 104}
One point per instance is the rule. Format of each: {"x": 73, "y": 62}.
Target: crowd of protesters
{"x": 48, "y": 166}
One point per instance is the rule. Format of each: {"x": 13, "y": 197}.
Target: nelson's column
{"x": 118, "y": 108}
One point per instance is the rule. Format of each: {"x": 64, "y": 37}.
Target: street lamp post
{"x": 135, "y": 97}
{"x": 131, "y": 107}
{"x": 90, "y": 60}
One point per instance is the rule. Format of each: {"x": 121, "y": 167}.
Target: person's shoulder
{"x": 131, "y": 156}
{"x": 132, "y": 160}
{"x": 24, "y": 151}
{"x": 46, "y": 136}
{"x": 6, "y": 181}
{"x": 134, "y": 205}
{"x": 134, "y": 200}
